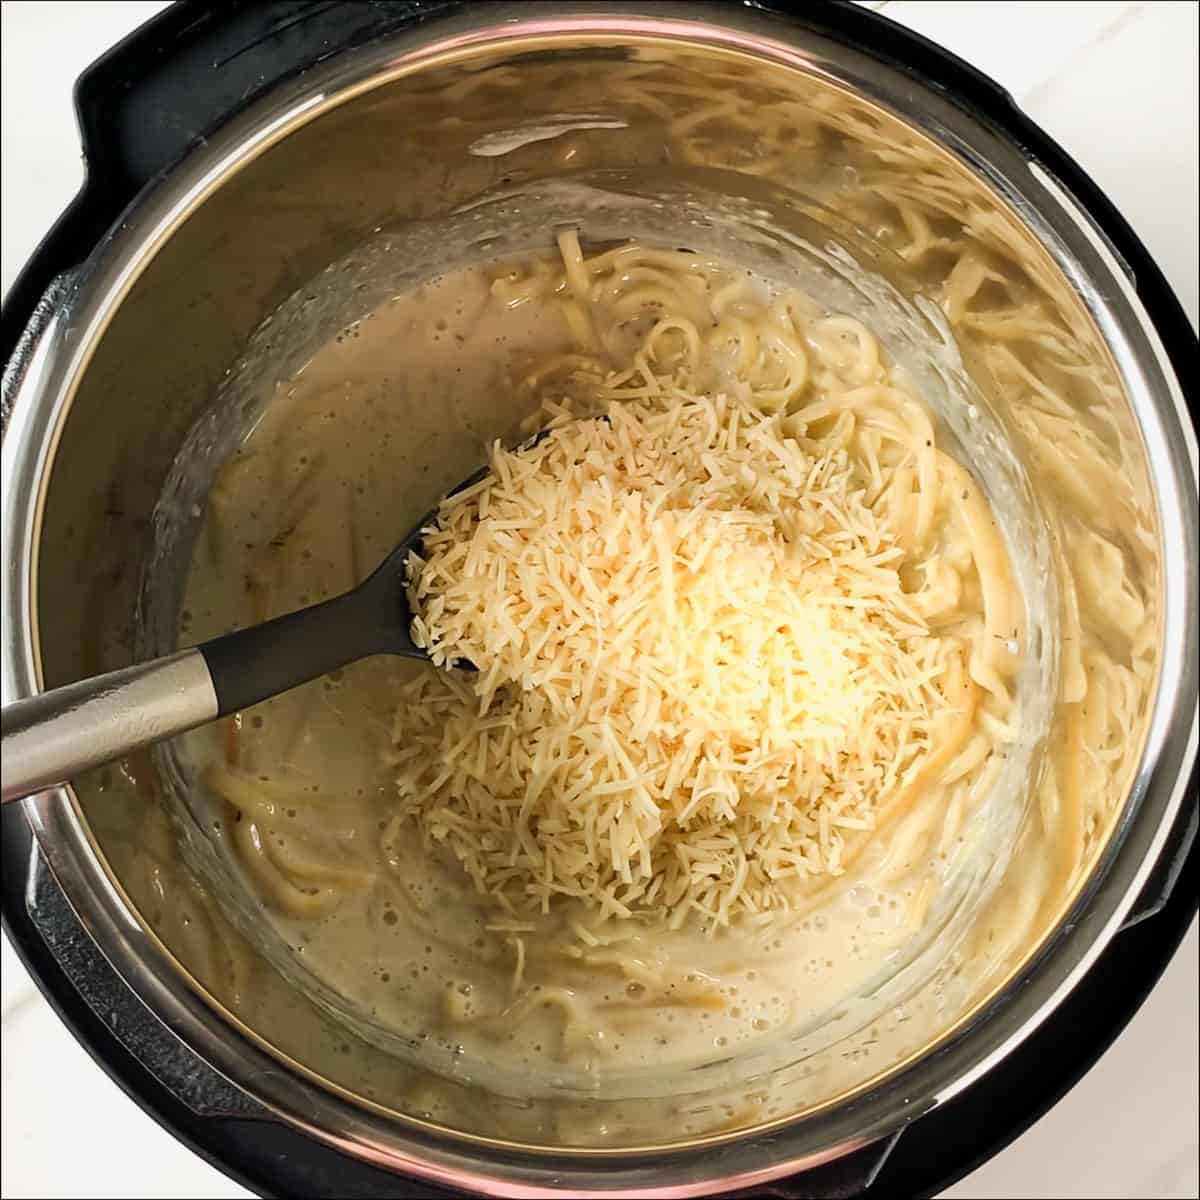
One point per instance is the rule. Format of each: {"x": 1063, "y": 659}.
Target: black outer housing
{"x": 140, "y": 108}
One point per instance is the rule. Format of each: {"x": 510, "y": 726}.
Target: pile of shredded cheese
{"x": 698, "y": 672}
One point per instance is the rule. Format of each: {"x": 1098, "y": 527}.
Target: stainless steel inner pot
{"x": 413, "y": 128}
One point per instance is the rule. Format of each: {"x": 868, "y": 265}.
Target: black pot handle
{"x": 221, "y": 57}
{"x": 182, "y": 74}
{"x": 164, "y": 88}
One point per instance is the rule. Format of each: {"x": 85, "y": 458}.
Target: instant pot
{"x": 119, "y": 330}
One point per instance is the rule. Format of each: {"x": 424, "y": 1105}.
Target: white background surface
{"x": 1116, "y": 83}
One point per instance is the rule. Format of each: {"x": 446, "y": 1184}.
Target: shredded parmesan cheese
{"x": 698, "y": 673}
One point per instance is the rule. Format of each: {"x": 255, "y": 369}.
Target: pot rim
{"x": 983, "y": 1036}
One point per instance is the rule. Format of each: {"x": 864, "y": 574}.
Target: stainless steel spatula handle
{"x": 51, "y": 738}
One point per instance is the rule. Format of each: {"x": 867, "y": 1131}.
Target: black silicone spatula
{"x": 50, "y": 738}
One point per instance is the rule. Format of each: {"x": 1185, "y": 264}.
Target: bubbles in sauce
{"x": 346, "y": 458}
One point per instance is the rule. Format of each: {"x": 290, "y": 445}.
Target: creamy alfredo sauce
{"x": 347, "y": 456}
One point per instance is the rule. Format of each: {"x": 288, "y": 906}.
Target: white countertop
{"x": 1116, "y": 84}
